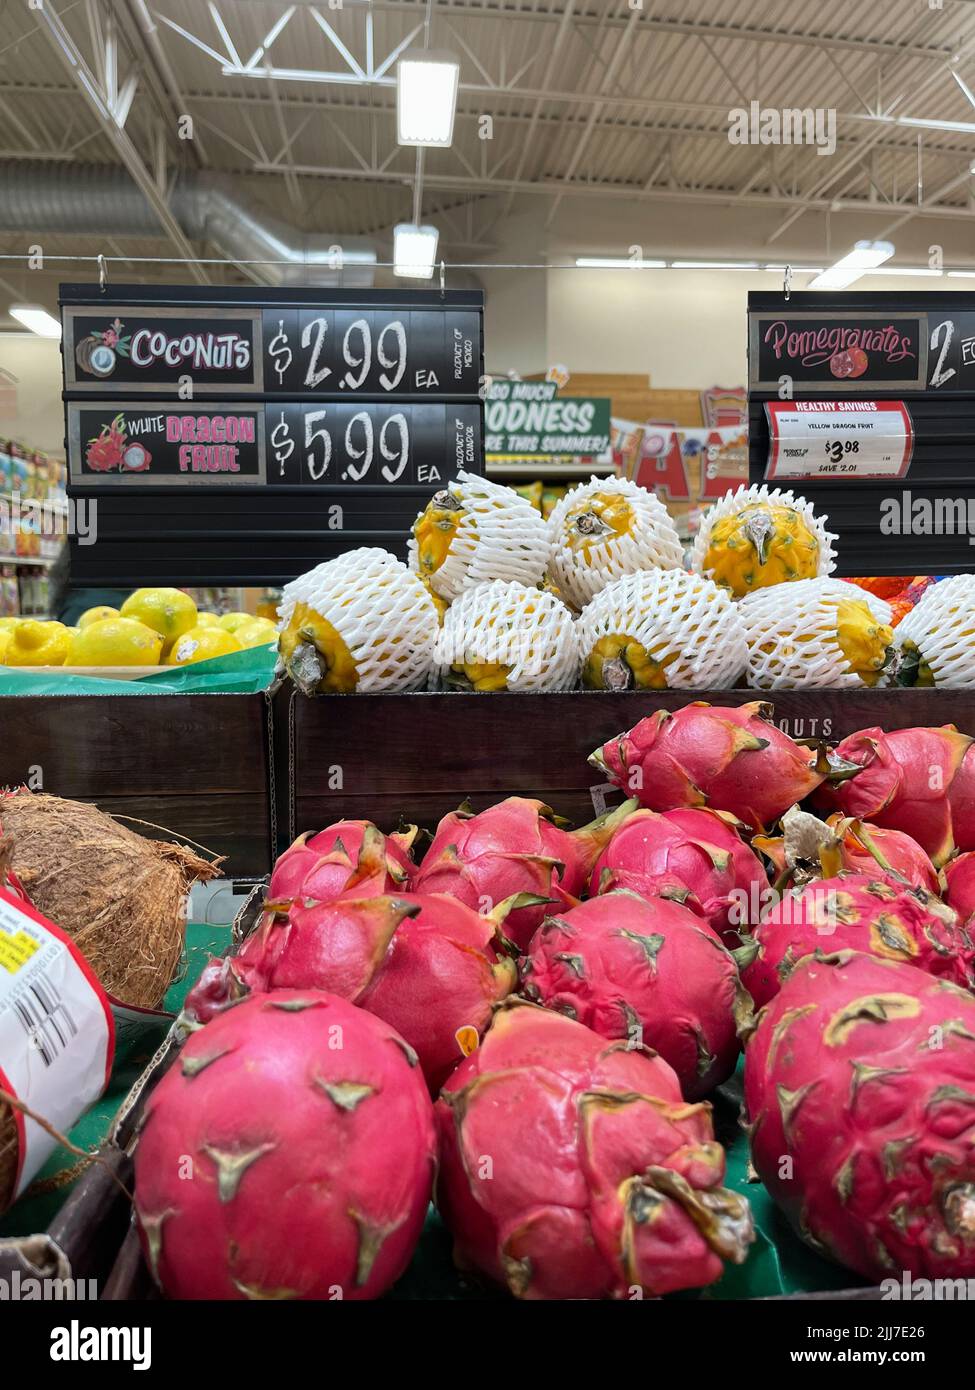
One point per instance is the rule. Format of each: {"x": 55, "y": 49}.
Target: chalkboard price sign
{"x": 237, "y": 436}
{"x": 345, "y": 445}
{"x": 871, "y": 396}
{"x": 372, "y": 352}
{"x": 140, "y": 348}
{"x": 842, "y": 352}
{"x": 148, "y": 444}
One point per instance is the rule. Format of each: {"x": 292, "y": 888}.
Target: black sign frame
{"x": 217, "y": 528}
{"x": 940, "y": 400}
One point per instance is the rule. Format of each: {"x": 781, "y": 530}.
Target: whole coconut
{"x": 120, "y": 896}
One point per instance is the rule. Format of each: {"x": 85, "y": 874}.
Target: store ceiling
{"x": 605, "y": 118}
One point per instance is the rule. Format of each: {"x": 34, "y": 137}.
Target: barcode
{"x": 45, "y": 1019}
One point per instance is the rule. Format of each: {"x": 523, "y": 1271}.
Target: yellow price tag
{"x": 16, "y": 950}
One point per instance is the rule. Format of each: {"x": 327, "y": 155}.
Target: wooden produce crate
{"x": 197, "y": 765}
{"x": 382, "y": 757}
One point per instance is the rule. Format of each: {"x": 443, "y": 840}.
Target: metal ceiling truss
{"x": 852, "y": 179}
{"x": 111, "y": 103}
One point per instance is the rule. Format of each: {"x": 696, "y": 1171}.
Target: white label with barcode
{"x": 56, "y": 1033}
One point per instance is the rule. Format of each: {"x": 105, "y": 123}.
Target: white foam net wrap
{"x": 942, "y": 627}
{"x": 500, "y": 536}
{"x": 675, "y": 615}
{"x": 776, "y": 497}
{"x": 509, "y": 624}
{"x": 380, "y": 610}
{"x": 651, "y": 543}
{"x": 790, "y": 631}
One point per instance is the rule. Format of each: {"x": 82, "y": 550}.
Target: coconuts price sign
{"x": 326, "y": 352}
{"x": 528, "y": 418}
{"x": 243, "y": 435}
{"x": 372, "y": 352}
{"x": 851, "y": 392}
{"x": 139, "y": 348}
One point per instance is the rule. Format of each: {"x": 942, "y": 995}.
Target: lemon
{"x": 230, "y": 622}
{"x": 37, "y": 644}
{"x": 208, "y": 620}
{"x": 97, "y": 615}
{"x": 8, "y": 624}
{"x": 5, "y": 635}
{"x": 115, "y": 642}
{"x": 169, "y": 612}
{"x": 201, "y": 644}
{"x": 257, "y": 633}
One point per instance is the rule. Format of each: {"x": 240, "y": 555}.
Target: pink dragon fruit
{"x": 349, "y": 855}
{"x": 959, "y": 877}
{"x": 289, "y": 1152}
{"x": 514, "y": 847}
{"x": 644, "y": 970}
{"x": 729, "y": 758}
{"x": 860, "y": 913}
{"x": 425, "y": 963}
{"x": 810, "y": 848}
{"x": 571, "y": 1167}
{"x": 859, "y": 1089}
{"x": 920, "y": 781}
{"x": 700, "y": 849}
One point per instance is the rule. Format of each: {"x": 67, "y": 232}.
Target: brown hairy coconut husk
{"x": 120, "y": 896}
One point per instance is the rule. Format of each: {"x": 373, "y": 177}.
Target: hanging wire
{"x": 361, "y": 265}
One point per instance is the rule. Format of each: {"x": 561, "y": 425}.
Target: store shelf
{"x": 37, "y": 561}
{"x": 531, "y": 469}
{"x": 51, "y": 503}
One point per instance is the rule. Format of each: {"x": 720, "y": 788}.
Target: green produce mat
{"x": 779, "y": 1263}
{"x": 35, "y": 1210}
{"x": 241, "y": 673}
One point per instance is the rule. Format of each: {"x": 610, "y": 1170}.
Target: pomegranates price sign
{"x": 863, "y": 401}
{"x": 838, "y": 439}
{"x": 841, "y": 352}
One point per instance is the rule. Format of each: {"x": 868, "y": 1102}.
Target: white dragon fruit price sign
{"x": 838, "y": 439}
{"x": 57, "y": 1035}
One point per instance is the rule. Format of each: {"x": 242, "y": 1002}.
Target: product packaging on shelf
{"x": 57, "y": 1036}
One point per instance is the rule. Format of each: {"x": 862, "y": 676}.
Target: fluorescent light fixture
{"x": 617, "y": 263}
{"x": 796, "y": 269}
{"x": 961, "y": 274}
{"x": 35, "y": 318}
{"x": 426, "y": 98}
{"x": 903, "y": 270}
{"x": 921, "y": 123}
{"x": 866, "y": 255}
{"x": 715, "y": 265}
{"x": 414, "y": 250}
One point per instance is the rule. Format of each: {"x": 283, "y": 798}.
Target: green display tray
{"x": 778, "y": 1263}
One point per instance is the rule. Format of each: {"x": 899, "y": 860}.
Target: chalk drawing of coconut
{"x": 136, "y": 458}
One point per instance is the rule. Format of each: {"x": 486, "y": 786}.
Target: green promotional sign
{"x": 527, "y": 418}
